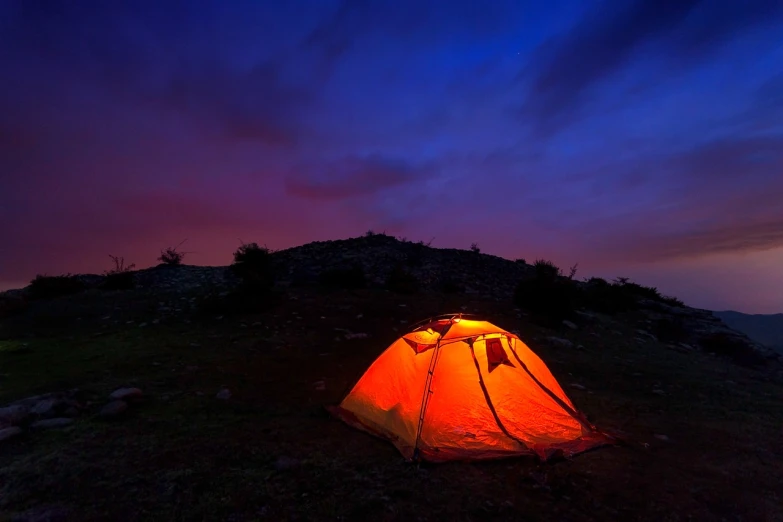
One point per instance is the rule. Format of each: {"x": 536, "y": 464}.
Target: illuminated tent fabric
{"x": 458, "y": 389}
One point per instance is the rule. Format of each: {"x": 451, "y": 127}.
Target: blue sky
{"x": 642, "y": 139}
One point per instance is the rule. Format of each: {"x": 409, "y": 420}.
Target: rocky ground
{"x": 156, "y": 404}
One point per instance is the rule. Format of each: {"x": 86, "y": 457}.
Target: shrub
{"x": 401, "y": 281}
{"x": 349, "y": 278}
{"x": 171, "y": 256}
{"x": 547, "y": 295}
{"x": 253, "y": 264}
{"x": 520, "y": 261}
{"x": 609, "y": 298}
{"x": 120, "y": 277}
{"x": 45, "y": 287}
{"x": 546, "y": 269}
{"x": 475, "y": 248}
{"x": 734, "y": 348}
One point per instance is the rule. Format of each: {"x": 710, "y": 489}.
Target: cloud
{"x": 607, "y": 40}
{"x": 352, "y": 177}
{"x": 717, "y": 198}
{"x": 131, "y": 55}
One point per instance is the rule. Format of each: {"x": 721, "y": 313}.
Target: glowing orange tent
{"x": 459, "y": 389}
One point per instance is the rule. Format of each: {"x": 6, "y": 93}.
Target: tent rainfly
{"x": 463, "y": 389}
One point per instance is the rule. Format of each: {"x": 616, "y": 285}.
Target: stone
{"x": 13, "y": 415}
{"x": 113, "y": 409}
{"x": 11, "y": 432}
{"x": 356, "y": 336}
{"x": 57, "y": 422}
{"x": 223, "y": 394}
{"x": 284, "y": 463}
{"x": 45, "y": 408}
{"x": 570, "y": 325}
{"x": 577, "y": 386}
{"x": 42, "y": 514}
{"x": 560, "y": 342}
{"x": 125, "y": 394}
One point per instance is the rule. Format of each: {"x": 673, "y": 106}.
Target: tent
{"x": 463, "y": 389}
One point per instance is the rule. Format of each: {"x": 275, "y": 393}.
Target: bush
{"x": 401, "y": 281}
{"x": 46, "y": 287}
{"x": 120, "y": 277}
{"x": 349, "y": 278}
{"x": 609, "y": 298}
{"x": 171, "y": 256}
{"x": 253, "y": 265}
{"x": 475, "y": 248}
{"x": 546, "y": 270}
{"x": 547, "y": 295}
{"x": 520, "y": 261}
{"x": 734, "y": 348}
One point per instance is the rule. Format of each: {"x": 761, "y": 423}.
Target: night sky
{"x": 639, "y": 139}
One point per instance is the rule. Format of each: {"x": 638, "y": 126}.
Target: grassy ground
{"x": 272, "y": 452}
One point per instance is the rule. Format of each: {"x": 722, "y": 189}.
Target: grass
{"x": 272, "y": 452}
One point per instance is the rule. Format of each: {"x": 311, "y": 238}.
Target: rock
{"x": 320, "y": 385}
{"x": 113, "y": 409}
{"x": 126, "y": 394}
{"x": 224, "y": 394}
{"x": 8, "y": 433}
{"x": 284, "y": 463}
{"x": 58, "y": 422}
{"x": 658, "y": 391}
{"x": 45, "y": 408}
{"x": 13, "y": 415}
{"x": 356, "y": 336}
{"x": 570, "y": 325}
{"x": 646, "y": 334}
{"x": 42, "y": 514}
{"x": 662, "y": 437}
{"x": 577, "y": 386}
{"x": 560, "y": 342}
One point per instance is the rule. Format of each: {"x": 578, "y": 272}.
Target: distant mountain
{"x": 765, "y": 329}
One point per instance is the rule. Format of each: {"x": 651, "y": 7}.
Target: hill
{"x": 766, "y": 329}
{"x": 192, "y": 393}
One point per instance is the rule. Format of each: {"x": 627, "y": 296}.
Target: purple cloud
{"x": 353, "y": 177}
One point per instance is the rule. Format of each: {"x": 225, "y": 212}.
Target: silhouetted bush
{"x": 171, "y": 256}
{"x": 733, "y": 348}
{"x": 349, "y": 278}
{"x": 45, "y": 287}
{"x": 547, "y": 295}
{"x": 401, "y": 281}
{"x": 253, "y": 265}
{"x": 546, "y": 269}
{"x": 120, "y": 277}
{"x": 608, "y": 298}
{"x": 520, "y": 261}
{"x": 475, "y": 248}
{"x": 415, "y": 254}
